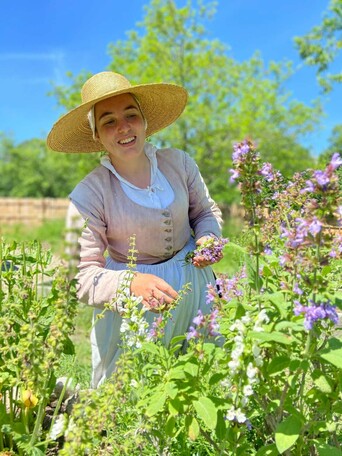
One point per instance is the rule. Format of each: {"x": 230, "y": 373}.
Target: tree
{"x": 228, "y": 99}
{"x": 321, "y": 45}
{"x": 30, "y": 170}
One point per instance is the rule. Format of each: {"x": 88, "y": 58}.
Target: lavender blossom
{"x": 336, "y": 161}
{"x": 192, "y": 334}
{"x": 207, "y": 322}
{"x": 235, "y": 174}
{"x": 200, "y": 319}
{"x": 267, "y": 172}
{"x": 315, "y": 226}
{"x": 157, "y": 330}
{"x": 213, "y": 325}
{"x": 315, "y": 312}
{"x": 240, "y": 150}
{"x": 210, "y": 250}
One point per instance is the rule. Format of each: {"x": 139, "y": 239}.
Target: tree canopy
{"x": 321, "y": 45}
{"x": 228, "y": 100}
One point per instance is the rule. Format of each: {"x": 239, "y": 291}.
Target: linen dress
{"x": 166, "y": 220}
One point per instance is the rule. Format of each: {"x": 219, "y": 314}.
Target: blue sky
{"x": 41, "y": 40}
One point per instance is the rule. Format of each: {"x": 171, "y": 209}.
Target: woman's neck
{"x": 137, "y": 172}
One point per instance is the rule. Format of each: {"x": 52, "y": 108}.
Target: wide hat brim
{"x": 161, "y": 104}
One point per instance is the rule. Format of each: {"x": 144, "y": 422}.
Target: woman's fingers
{"x": 156, "y": 293}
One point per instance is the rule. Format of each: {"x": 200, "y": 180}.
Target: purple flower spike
{"x": 315, "y": 226}
{"x": 315, "y": 312}
{"x": 322, "y": 178}
{"x": 199, "y": 320}
{"x": 235, "y": 174}
{"x": 336, "y": 161}
{"x": 192, "y": 334}
{"x": 267, "y": 172}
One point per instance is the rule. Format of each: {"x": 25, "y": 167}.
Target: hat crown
{"x": 102, "y": 83}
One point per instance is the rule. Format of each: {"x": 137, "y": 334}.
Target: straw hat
{"x": 161, "y": 104}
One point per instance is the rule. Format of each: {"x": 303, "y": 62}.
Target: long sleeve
{"x": 204, "y": 214}
{"x": 96, "y": 285}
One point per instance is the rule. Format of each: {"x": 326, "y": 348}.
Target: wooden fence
{"x": 31, "y": 211}
{"x": 35, "y": 211}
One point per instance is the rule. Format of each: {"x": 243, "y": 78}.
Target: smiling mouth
{"x": 127, "y": 141}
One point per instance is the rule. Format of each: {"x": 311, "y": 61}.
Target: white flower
{"x": 251, "y": 371}
{"x": 246, "y": 319}
{"x": 226, "y": 383}
{"x": 238, "y": 326}
{"x": 247, "y": 390}
{"x": 237, "y": 352}
{"x": 231, "y": 414}
{"x": 234, "y": 365}
{"x": 134, "y": 383}
{"x": 259, "y": 361}
{"x": 236, "y": 415}
{"x": 256, "y": 350}
{"x": 238, "y": 339}
{"x": 240, "y": 416}
{"x": 58, "y": 427}
{"x": 124, "y": 326}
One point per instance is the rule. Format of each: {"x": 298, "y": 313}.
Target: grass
{"x": 50, "y": 234}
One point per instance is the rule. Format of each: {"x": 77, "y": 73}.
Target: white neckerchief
{"x": 159, "y": 194}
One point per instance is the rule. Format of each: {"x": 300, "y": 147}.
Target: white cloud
{"x": 35, "y": 67}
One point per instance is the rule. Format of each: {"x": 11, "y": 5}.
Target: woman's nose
{"x": 123, "y": 125}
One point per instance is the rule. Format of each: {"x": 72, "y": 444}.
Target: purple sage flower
{"x": 336, "y": 161}
{"x": 192, "y": 334}
{"x": 267, "y": 172}
{"x": 315, "y": 226}
{"x": 199, "y": 319}
{"x": 315, "y": 312}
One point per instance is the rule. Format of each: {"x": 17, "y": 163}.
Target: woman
{"x": 158, "y": 195}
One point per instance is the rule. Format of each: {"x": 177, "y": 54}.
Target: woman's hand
{"x": 200, "y": 261}
{"x": 156, "y": 293}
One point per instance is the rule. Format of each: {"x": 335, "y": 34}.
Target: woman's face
{"x": 120, "y": 127}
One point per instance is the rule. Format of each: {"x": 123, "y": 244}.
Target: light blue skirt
{"x": 105, "y": 336}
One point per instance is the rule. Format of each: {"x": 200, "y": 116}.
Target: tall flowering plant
{"x": 298, "y": 273}
{"x": 37, "y": 309}
{"x": 259, "y": 372}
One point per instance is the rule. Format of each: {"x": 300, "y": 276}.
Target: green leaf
{"x": 217, "y": 377}
{"x": 206, "y": 410}
{"x": 171, "y": 389}
{"x": 278, "y": 364}
{"x": 327, "y": 450}
{"x": 289, "y": 325}
{"x": 150, "y": 348}
{"x": 193, "y": 429}
{"x": 177, "y": 373}
{"x": 269, "y": 450}
{"x": 192, "y": 369}
{"x": 274, "y": 336}
{"x": 68, "y": 347}
{"x": 322, "y": 382}
{"x": 175, "y": 406}
{"x": 157, "y": 402}
{"x": 221, "y": 426}
{"x": 278, "y": 299}
{"x": 332, "y": 354}
{"x": 287, "y": 433}
{"x": 170, "y": 426}
{"x": 177, "y": 340}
